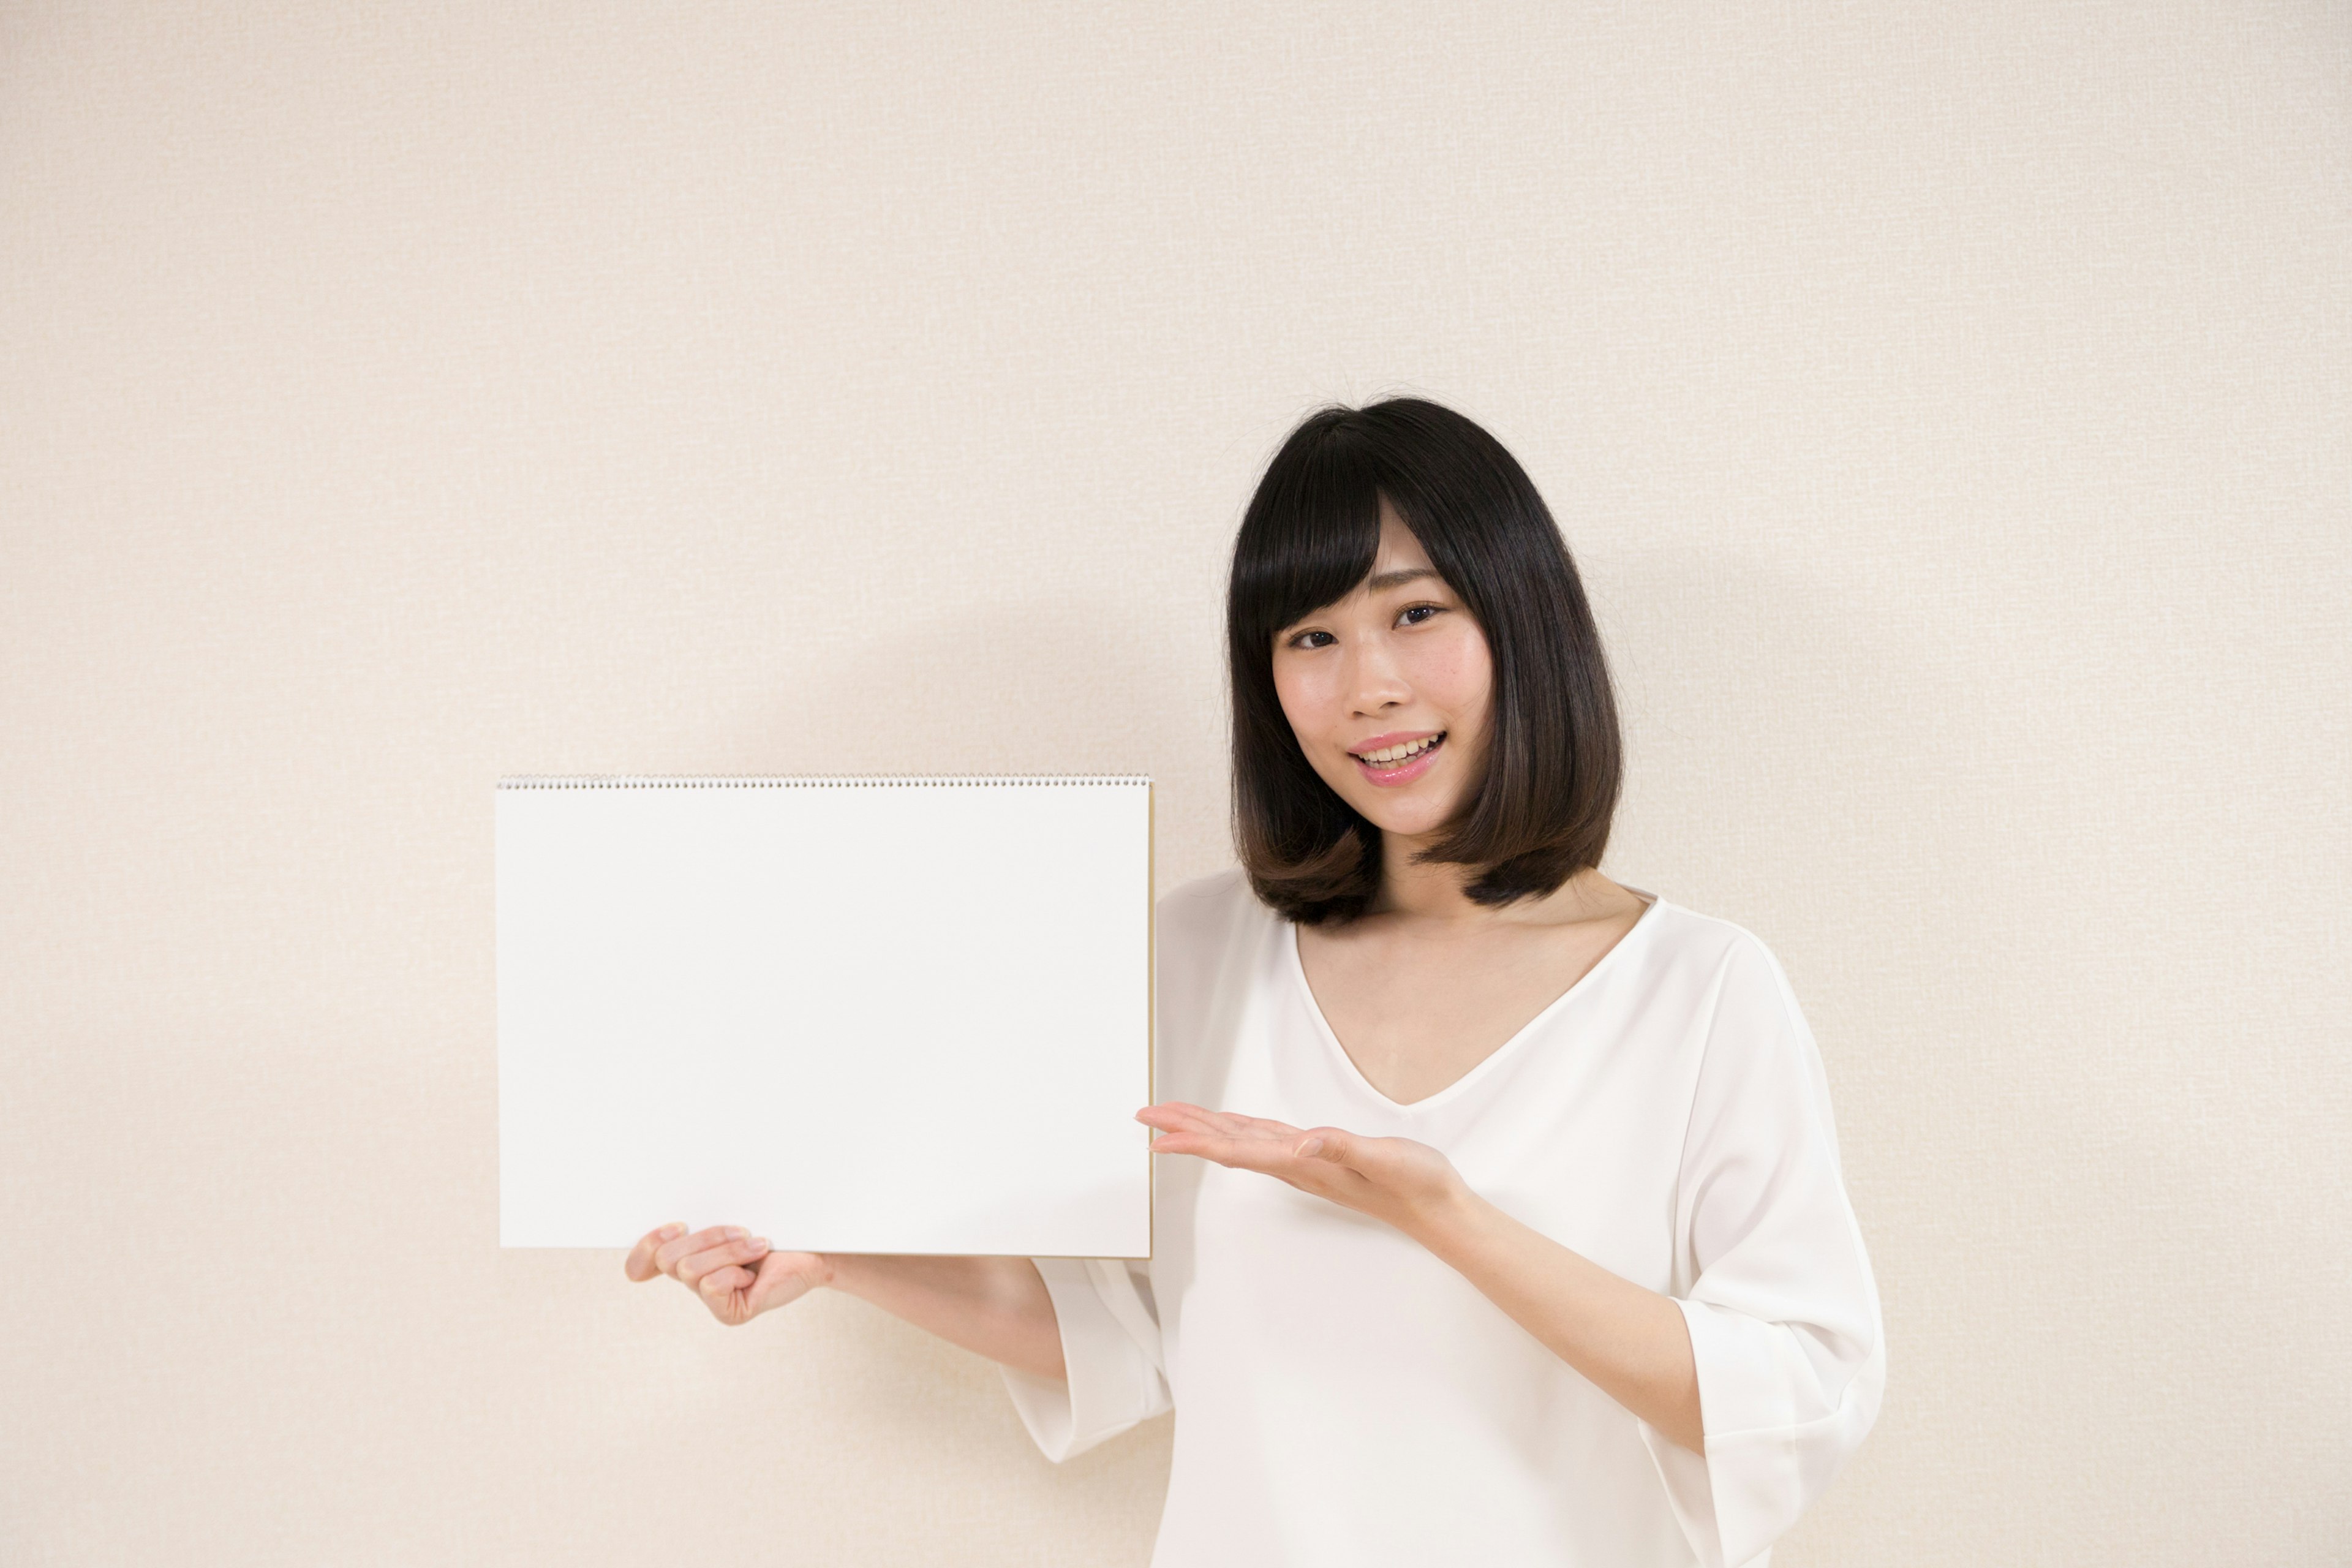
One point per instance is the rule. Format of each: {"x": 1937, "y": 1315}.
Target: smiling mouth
{"x": 1398, "y": 756}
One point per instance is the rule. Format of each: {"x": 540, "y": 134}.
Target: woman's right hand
{"x": 733, "y": 1272}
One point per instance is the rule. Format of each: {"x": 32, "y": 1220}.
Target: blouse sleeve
{"x": 1780, "y": 1302}
{"x": 1110, "y": 1347}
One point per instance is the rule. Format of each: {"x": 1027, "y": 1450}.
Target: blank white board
{"x": 849, "y": 1014}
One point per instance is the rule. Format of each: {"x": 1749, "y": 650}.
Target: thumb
{"x": 785, "y": 1277}
{"x": 1324, "y": 1143}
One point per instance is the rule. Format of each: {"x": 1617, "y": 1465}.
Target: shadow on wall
{"x": 1960, "y": 813}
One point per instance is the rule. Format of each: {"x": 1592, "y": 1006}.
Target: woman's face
{"x": 1388, "y": 689}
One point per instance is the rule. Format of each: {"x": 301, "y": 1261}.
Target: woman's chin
{"x": 1403, "y": 819}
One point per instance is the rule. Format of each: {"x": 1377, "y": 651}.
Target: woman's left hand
{"x": 1410, "y": 1185}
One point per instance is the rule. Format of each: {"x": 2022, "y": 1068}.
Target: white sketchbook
{"x": 849, "y": 1014}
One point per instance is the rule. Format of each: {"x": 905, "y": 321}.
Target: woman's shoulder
{"x": 1710, "y": 951}
{"x": 1209, "y": 930}
{"x": 1212, "y": 937}
{"x": 1691, "y": 933}
{"x": 1724, "y": 967}
{"x": 1206, "y": 908}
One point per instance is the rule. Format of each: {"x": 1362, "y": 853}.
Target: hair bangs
{"x": 1311, "y": 533}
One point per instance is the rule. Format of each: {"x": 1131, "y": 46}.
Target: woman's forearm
{"x": 1629, "y": 1343}
{"x": 995, "y": 1306}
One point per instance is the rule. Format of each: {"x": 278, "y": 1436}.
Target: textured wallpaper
{"x": 1947, "y": 405}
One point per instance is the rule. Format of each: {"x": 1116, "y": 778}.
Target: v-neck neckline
{"x": 1479, "y": 1068}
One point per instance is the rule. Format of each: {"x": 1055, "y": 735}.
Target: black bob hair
{"x": 1555, "y": 759}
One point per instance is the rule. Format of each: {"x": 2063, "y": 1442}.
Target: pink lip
{"x": 1393, "y": 738}
{"x": 1402, "y": 772}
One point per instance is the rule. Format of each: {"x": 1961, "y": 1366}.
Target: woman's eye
{"x": 1417, "y": 614}
{"x": 1306, "y": 639}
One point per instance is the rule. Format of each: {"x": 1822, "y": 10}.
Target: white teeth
{"x": 1399, "y": 753}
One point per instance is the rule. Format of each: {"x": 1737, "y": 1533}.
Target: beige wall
{"x": 1948, "y": 407}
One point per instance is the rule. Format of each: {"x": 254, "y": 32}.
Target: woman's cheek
{"x": 1455, "y": 673}
{"x": 1307, "y": 700}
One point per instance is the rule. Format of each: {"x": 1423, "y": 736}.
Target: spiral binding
{"x": 765, "y": 781}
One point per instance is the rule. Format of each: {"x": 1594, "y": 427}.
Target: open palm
{"x": 1397, "y": 1180}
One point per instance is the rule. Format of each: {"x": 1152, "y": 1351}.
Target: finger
{"x": 723, "y": 1281}
{"x": 1240, "y": 1129}
{"x": 1202, "y": 1141}
{"x": 1259, "y": 1127}
{"x": 1178, "y": 1116}
{"x": 694, "y": 1268}
{"x": 1173, "y": 1114}
{"x": 667, "y": 1258}
{"x": 1186, "y": 1142}
{"x": 783, "y": 1276}
{"x": 641, "y": 1266}
{"x": 1240, "y": 1153}
{"x": 1176, "y": 1144}
{"x": 1288, "y": 1158}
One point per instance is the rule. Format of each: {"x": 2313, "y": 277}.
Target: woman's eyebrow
{"x": 1377, "y": 583}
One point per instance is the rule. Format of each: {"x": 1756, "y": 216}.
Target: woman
{"x": 1510, "y": 1227}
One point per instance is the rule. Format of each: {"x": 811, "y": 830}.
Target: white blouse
{"x": 1344, "y": 1398}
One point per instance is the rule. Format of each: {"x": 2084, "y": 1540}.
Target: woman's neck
{"x": 1438, "y": 891}
{"x": 1423, "y": 889}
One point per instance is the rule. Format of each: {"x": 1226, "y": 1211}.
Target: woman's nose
{"x": 1375, "y": 683}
